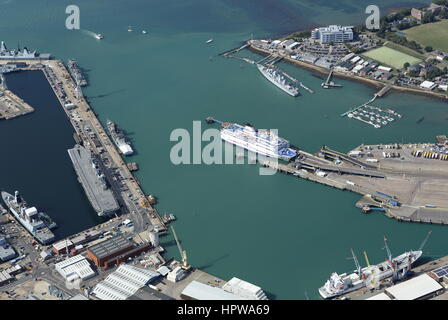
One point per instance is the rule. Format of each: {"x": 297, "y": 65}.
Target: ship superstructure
{"x": 264, "y": 142}
{"x": 119, "y": 139}
{"x": 76, "y": 73}
{"x": 28, "y": 217}
{"x": 280, "y": 80}
{"x": 21, "y": 54}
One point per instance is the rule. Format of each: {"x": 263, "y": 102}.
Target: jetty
{"x": 383, "y": 91}
{"x": 398, "y": 180}
{"x": 330, "y": 84}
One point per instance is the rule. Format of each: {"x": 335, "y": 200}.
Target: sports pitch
{"x": 391, "y": 57}
{"x": 431, "y": 34}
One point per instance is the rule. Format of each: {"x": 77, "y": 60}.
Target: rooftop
{"x": 199, "y": 291}
{"x": 415, "y": 288}
{"x": 110, "y": 246}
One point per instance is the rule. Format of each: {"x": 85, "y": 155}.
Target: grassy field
{"x": 430, "y": 34}
{"x": 404, "y": 49}
{"x": 391, "y": 57}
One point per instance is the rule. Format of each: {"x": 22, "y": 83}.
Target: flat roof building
{"x": 332, "y": 34}
{"x": 200, "y": 291}
{"x": 245, "y": 289}
{"x": 146, "y": 293}
{"x": 428, "y": 85}
{"x": 417, "y": 288}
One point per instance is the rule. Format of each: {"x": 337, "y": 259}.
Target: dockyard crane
{"x": 424, "y": 241}
{"x": 182, "y": 252}
{"x": 358, "y": 267}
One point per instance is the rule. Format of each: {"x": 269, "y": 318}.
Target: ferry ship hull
{"x": 249, "y": 141}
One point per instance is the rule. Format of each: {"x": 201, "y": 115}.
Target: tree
{"x": 428, "y": 49}
{"x": 428, "y": 17}
{"x": 406, "y": 65}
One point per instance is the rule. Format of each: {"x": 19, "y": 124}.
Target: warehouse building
{"x": 200, "y": 291}
{"x": 123, "y": 283}
{"x": 147, "y": 293}
{"x": 245, "y": 289}
{"x": 114, "y": 251}
{"x": 107, "y": 249}
{"x": 419, "y": 288}
{"x": 77, "y": 267}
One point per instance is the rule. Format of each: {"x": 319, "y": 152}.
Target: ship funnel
{"x": 17, "y": 197}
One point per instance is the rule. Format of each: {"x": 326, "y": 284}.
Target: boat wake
{"x": 88, "y": 33}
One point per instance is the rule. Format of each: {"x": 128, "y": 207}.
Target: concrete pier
{"x": 395, "y": 178}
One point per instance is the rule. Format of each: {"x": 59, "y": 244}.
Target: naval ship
{"x": 277, "y": 78}
{"x": 264, "y": 142}
{"x": 76, "y": 73}
{"x": 28, "y": 217}
{"x": 18, "y": 54}
{"x": 119, "y": 139}
{"x": 372, "y": 275}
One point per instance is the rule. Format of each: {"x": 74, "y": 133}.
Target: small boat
{"x": 209, "y": 40}
{"x": 144, "y": 32}
{"x": 129, "y": 29}
{"x": 99, "y": 36}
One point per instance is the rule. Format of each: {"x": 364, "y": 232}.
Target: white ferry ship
{"x": 398, "y": 267}
{"x": 277, "y": 78}
{"x": 264, "y": 142}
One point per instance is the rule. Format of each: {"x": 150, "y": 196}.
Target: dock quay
{"x": 130, "y": 235}
{"x": 12, "y": 106}
{"x": 132, "y": 166}
{"x": 92, "y": 135}
{"x": 407, "y": 182}
{"x": 235, "y": 50}
{"x": 330, "y": 84}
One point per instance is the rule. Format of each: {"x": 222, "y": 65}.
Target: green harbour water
{"x": 283, "y": 234}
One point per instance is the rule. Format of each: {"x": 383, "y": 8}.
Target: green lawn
{"x": 430, "y": 34}
{"x": 391, "y": 57}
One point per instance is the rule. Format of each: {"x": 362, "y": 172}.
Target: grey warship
{"x": 28, "y": 217}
